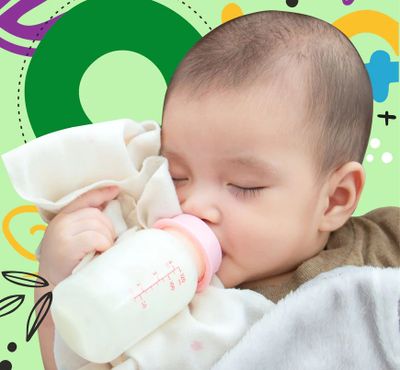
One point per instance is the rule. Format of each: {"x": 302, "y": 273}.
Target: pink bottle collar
{"x": 204, "y": 239}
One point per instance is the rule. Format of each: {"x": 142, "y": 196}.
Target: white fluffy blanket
{"x": 345, "y": 319}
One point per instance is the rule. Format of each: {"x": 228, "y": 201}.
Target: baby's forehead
{"x": 278, "y": 99}
{"x": 264, "y": 99}
{"x": 237, "y": 120}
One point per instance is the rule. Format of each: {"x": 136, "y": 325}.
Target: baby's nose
{"x": 202, "y": 208}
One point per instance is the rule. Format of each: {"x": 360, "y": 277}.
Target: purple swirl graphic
{"x": 9, "y": 23}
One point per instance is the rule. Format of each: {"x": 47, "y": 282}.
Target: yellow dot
{"x": 231, "y": 11}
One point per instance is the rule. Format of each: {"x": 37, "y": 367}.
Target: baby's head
{"x": 265, "y": 125}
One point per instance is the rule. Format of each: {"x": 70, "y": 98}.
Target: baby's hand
{"x": 78, "y": 229}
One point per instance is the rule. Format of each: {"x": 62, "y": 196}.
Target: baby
{"x": 265, "y": 126}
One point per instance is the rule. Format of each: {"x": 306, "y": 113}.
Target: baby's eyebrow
{"x": 253, "y": 163}
{"x": 246, "y": 161}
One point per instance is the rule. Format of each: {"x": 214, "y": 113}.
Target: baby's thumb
{"x": 93, "y": 198}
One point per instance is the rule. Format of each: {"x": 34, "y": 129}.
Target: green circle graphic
{"x": 88, "y": 31}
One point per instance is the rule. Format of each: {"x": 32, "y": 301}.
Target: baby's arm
{"x": 78, "y": 229}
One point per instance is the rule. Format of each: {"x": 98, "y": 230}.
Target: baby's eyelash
{"x": 246, "y": 192}
{"x": 238, "y": 191}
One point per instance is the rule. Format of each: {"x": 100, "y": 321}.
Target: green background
{"x": 106, "y": 80}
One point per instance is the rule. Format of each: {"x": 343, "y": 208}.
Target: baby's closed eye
{"x": 178, "y": 179}
{"x": 246, "y": 191}
{"x": 238, "y": 190}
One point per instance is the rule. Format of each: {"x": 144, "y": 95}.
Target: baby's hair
{"x": 265, "y": 45}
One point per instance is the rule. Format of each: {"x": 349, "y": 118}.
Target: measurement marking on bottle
{"x": 174, "y": 271}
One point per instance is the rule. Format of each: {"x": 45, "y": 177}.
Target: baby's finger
{"x": 93, "y": 213}
{"x": 96, "y": 225}
{"x": 93, "y": 241}
{"x": 93, "y": 198}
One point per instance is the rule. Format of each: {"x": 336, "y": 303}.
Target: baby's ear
{"x": 344, "y": 190}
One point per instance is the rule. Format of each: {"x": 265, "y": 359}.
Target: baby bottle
{"x": 125, "y": 293}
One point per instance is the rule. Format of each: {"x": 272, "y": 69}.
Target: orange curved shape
{"x": 35, "y": 228}
{"x": 9, "y": 236}
{"x": 369, "y": 21}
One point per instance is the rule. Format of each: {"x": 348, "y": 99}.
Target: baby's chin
{"x": 229, "y": 274}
